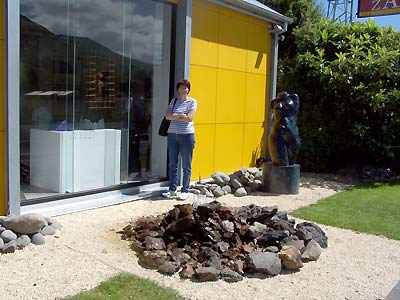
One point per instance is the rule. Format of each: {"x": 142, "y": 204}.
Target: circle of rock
{"x": 209, "y": 241}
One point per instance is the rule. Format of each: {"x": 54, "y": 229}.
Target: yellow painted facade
{"x": 2, "y": 116}
{"x": 229, "y": 65}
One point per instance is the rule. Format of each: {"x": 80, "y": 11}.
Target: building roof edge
{"x": 259, "y": 9}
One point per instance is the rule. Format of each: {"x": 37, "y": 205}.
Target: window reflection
{"x": 94, "y": 78}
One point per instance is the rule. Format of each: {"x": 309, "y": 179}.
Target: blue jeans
{"x": 182, "y": 144}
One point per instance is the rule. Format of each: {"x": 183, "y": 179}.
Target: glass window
{"x": 95, "y": 79}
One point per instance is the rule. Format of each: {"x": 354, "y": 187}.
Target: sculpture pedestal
{"x": 281, "y": 179}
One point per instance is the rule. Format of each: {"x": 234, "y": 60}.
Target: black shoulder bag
{"x": 163, "y": 130}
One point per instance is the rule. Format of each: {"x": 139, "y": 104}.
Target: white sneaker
{"x": 169, "y": 194}
{"x": 183, "y": 196}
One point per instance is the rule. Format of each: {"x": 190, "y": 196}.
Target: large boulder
{"x": 291, "y": 258}
{"x": 25, "y": 224}
{"x": 263, "y": 262}
{"x": 307, "y": 231}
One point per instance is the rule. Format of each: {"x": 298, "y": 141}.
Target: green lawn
{"x": 127, "y": 286}
{"x": 373, "y": 208}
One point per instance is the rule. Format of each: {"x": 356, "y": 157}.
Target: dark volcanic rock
{"x": 215, "y": 241}
{"x": 207, "y": 273}
{"x": 307, "y": 231}
{"x": 272, "y": 238}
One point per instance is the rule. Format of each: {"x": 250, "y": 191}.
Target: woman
{"x": 181, "y": 141}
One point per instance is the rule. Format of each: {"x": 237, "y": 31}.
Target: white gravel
{"x": 88, "y": 250}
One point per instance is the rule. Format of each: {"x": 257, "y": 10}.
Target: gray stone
{"x": 312, "y": 252}
{"x": 259, "y": 176}
{"x": 187, "y": 271}
{"x": 228, "y": 226}
{"x": 305, "y": 229}
{"x": 23, "y": 241}
{"x": 9, "y": 247}
{"x": 215, "y": 262}
{"x": 8, "y": 235}
{"x": 153, "y": 259}
{"x": 245, "y": 178}
{"x": 256, "y": 230}
{"x": 272, "y": 249}
{"x": 253, "y": 170}
{"x": 194, "y": 191}
{"x": 180, "y": 256}
{"x": 38, "y": 239}
{"x": 254, "y": 186}
{"x": 48, "y": 230}
{"x": 2, "y": 219}
{"x": 240, "y": 192}
{"x": 26, "y": 224}
{"x": 235, "y": 181}
{"x": 207, "y": 274}
{"x": 1, "y": 243}
{"x": 220, "y": 178}
{"x": 230, "y": 276}
{"x": 209, "y": 194}
{"x": 240, "y": 173}
{"x": 247, "y": 189}
{"x": 169, "y": 267}
{"x": 227, "y": 189}
{"x": 298, "y": 244}
{"x": 223, "y": 246}
{"x": 53, "y": 223}
{"x": 2, "y": 229}
{"x": 263, "y": 262}
{"x": 218, "y": 192}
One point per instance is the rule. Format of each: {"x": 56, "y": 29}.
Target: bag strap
{"x": 174, "y": 103}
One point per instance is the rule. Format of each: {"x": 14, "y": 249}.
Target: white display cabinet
{"x": 73, "y": 161}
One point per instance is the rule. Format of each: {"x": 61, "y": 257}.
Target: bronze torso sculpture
{"x": 284, "y": 140}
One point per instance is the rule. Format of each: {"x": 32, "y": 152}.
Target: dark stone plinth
{"x": 281, "y": 179}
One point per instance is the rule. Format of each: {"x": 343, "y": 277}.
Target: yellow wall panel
{"x": 1, "y": 20}
{"x": 199, "y": 48}
{"x": 230, "y": 96}
{"x": 2, "y": 104}
{"x": 2, "y": 174}
{"x": 254, "y": 143}
{"x": 202, "y": 4}
{"x": 256, "y": 96}
{"x": 204, "y": 47}
{"x": 231, "y": 86}
{"x": 258, "y": 54}
{"x": 232, "y": 39}
{"x": 233, "y": 14}
{"x": 204, "y": 90}
{"x": 228, "y": 147}
{"x": 203, "y": 156}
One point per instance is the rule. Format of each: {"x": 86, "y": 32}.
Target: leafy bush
{"x": 348, "y": 80}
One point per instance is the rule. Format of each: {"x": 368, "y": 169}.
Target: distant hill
{"x": 47, "y": 60}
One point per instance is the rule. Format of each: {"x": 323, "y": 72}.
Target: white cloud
{"x": 104, "y": 21}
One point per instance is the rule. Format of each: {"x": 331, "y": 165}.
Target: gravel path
{"x": 88, "y": 250}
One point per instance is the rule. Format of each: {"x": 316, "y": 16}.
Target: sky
{"x": 127, "y": 29}
{"x": 393, "y": 20}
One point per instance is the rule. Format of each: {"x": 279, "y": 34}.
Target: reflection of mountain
{"x": 48, "y": 61}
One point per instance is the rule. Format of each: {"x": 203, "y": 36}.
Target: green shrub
{"x": 348, "y": 80}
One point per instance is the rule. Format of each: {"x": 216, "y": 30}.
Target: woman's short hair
{"x": 183, "y": 82}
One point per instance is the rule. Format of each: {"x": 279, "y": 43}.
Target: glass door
{"x": 95, "y": 78}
